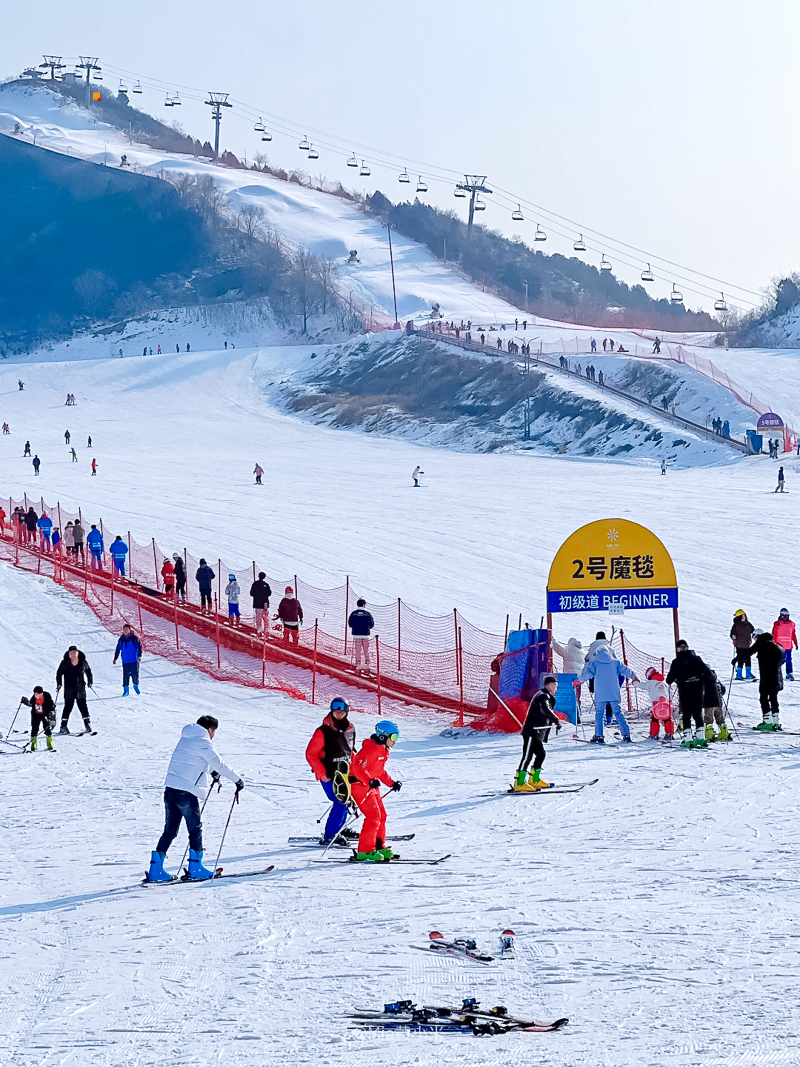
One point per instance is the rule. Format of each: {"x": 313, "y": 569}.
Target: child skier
{"x": 328, "y": 754}
{"x": 656, "y": 688}
{"x": 367, "y": 771}
{"x": 168, "y": 574}
{"x": 540, "y": 717}
{"x": 742, "y": 632}
{"x": 713, "y": 704}
{"x": 785, "y": 635}
{"x": 232, "y": 592}
{"x": 43, "y": 714}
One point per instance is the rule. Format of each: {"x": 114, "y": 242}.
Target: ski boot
{"x": 196, "y": 868}
{"x": 724, "y": 733}
{"x": 519, "y": 782}
{"x": 367, "y": 857}
{"x": 748, "y": 675}
{"x": 739, "y": 677}
{"x": 627, "y": 739}
{"x": 764, "y": 727}
{"x": 710, "y": 735}
{"x": 64, "y": 728}
{"x": 597, "y": 740}
{"x": 157, "y": 872}
{"x": 351, "y": 835}
{"x": 699, "y": 741}
{"x": 687, "y": 741}
{"x": 136, "y": 689}
{"x": 126, "y": 691}
{"x": 535, "y": 782}
{"x": 34, "y": 743}
{"x": 776, "y": 722}
{"x": 386, "y": 854}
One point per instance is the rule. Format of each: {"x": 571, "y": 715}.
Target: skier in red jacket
{"x": 328, "y": 755}
{"x": 785, "y": 635}
{"x": 367, "y": 771}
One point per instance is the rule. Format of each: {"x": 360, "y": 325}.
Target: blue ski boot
{"x": 739, "y": 677}
{"x": 196, "y": 868}
{"x": 136, "y": 689}
{"x": 157, "y": 872}
{"x": 125, "y": 691}
{"x": 748, "y": 674}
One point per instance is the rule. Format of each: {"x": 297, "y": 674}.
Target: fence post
{"x": 139, "y": 606}
{"x": 505, "y": 638}
{"x": 155, "y": 563}
{"x": 398, "y": 633}
{"x": 314, "y": 664}
{"x": 455, "y": 626}
{"x": 113, "y": 583}
{"x": 295, "y": 588}
{"x": 378, "y": 671}
{"x": 130, "y": 556}
{"x": 264, "y": 650}
{"x": 216, "y": 616}
{"x": 25, "y": 500}
{"x": 346, "y": 610}
{"x": 219, "y": 583}
{"x": 461, "y": 681}
{"x": 85, "y": 581}
{"x": 625, "y": 661}
{"x": 58, "y": 507}
{"x": 175, "y": 617}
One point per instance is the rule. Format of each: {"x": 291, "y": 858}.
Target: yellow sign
{"x": 611, "y": 562}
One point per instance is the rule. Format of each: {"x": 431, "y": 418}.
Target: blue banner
{"x": 599, "y": 600}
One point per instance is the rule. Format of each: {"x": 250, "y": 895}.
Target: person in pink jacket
{"x": 785, "y": 635}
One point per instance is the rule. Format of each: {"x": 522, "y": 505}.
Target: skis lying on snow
{"x": 565, "y": 787}
{"x": 388, "y": 863}
{"x": 403, "y": 1015}
{"x": 462, "y": 946}
{"x": 342, "y": 842}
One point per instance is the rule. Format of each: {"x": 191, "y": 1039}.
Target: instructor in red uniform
{"x": 367, "y": 772}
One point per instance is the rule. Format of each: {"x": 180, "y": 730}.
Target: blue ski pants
{"x": 179, "y": 805}
{"x": 338, "y": 815}
{"x": 600, "y": 712}
{"x": 130, "y": 673}
{"x": 787, "y": 660}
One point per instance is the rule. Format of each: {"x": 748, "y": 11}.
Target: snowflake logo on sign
{"x": 612, "y": 537}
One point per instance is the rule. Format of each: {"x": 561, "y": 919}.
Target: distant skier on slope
{"x": 367, "y": 771}
{"x": 781, "y": 480}
{"x": 258, "y": 471}
{"x": 185, "y": 786}
{"x": 540, "y": 717}
{"x": 785, "y": 635}
{"x": 328, "y": 755}
{"x": 36, "y": 464}
{"x": 27, "y": 451}
{"x": 417, "y": 473}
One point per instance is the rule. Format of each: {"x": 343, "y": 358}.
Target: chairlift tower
{"x": 217, "y": 101}
{"x": 473, "y": 184}
{"x": 54, "y": 63}
{"x": 88, "y": 63}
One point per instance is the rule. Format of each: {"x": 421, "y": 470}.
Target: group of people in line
{"x": 721, "y": 427}
{"x": 773, "y": 447}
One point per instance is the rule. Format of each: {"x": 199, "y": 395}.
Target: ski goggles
{"x": 339, "y": 705}
{"x": 393, "y": 737}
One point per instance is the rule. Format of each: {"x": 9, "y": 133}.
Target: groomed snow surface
{"x": 656, "y": 909}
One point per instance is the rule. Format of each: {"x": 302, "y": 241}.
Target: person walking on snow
{"x": 361, "y": 623}
{"x": 129, "y": 649}
{"x": 95, "y": 543}
{"x": 779, "y": 486}
{"x": 770, "y": 659}
{"x": 540, "y": 717}
{"x": 416, "y": 475}
{"x": 168, "y": 574}
{"x": 606, "y": 672}
{"x": 785, "y": 635}
{"x": 118, "y": 551}
{"x": 43, "y": 714}
{"x": 180, "y": 576}
{"x": 656, "y": 688}
{"x": 94, "y": 466}
{"x": 261, "y": 592}
{"x": 31, "y": 523}
{"x": 74, "y": 673}
{"x": 185, "y": 786}
{"x": 692, "y": 676}
{"x": 204, "y": 577}
{"x": 77, "y": 541}
{"x": 367, "y": 772}
{"x": 36, "y": 464}
{"x": 328, "y": 755}
{"x": 45, "y": 525}
{"x": 290, "y": 613}
{"x": 742, "y": 634}
{"x": 66, "y": 437}
{"x": 232, "y": 592}
{"x": 258, "y": 471}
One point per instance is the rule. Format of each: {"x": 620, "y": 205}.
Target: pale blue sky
{"x": 669, "y": 126}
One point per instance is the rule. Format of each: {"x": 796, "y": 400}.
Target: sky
{"x": 668, "y": 127}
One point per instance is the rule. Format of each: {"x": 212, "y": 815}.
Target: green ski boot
{"x": 367, "y": 857}
{"x": 724, "y": 733}
{"x": 34, "y": 743}
{"x": 710, "y": 735}
{"x": 764, "y": 727}
{"x": 519, "y": 781}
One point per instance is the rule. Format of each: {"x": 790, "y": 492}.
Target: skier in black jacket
{"x": 260, "y": 592}
{"x": 770, "y": 659}
{"x": 43, "y": 714}
{"x": 693, "y": 678}
{"x": 74, "y": 673}
{"x": 361, "y": 623}
{"x": 540, "y": 717}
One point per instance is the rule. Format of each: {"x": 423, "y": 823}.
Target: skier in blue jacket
{"x": 119, "y": 551}
{"x": 607, "y": 671}
{"x": 94, "y": 539}
{"x": 129, "y": 649}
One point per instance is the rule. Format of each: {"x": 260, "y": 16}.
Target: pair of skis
{"x": 467, "y": 947}
{"x": 469, "y": 1018}
{"x": 184, "y": 879}
{"x": 565, "y": 787}
{"x": 342, "y": 842}
{"x": 431, "y": 862}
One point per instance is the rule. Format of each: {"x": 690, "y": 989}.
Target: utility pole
{"x": 88, "y": 63}
{"x": 54, "y": 63}
{"x": 473, "y": 184}
{"x": 217, "y": 101}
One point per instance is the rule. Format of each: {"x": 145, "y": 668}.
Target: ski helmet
{"x": 736, "y": 614}
{"x": 339, "y": 704}
{"x": 785, "y": 611}
{"x": 386, "y": 728}
{"x": 649, "y": 673}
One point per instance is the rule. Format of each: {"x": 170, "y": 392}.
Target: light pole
{"x": 526, "y": 297}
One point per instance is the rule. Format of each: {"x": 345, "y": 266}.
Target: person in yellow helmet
{"x": 742, "y": 637}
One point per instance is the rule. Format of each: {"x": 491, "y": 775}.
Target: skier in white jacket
{"x": 573, "y": 654}
{"x": 187, "y": 783}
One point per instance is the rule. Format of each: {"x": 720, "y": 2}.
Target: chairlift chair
{"x": 404, "y": 178}
{"x": 137, "y": 88}
{"x": 265, "y": 136}
{"x": 98, "y": 77}
{"x": 304, "y": 145}
{"x": 517, "y": 215}
{"x": 647, "y": 275}
{"x": 312, "y": 152}
{"x": 479, "y": 204}
{"x": 540, "y": 235}
{"x": 259, "y": 126}
{"x": 123, "y": 88}
{"x": 604, "y": 263}
{"x": 579, "y": 246}
{"x": 352, "y": 161}
{"x": 421, "y": 186}
{"x": 168, "y": 101}
{"x": 459, "y": 191}
{"x": 675, "y": 297}
{"x": 365, "y": 171}
{"x": 176, "y": 100}
{"x": 720, "y": 305}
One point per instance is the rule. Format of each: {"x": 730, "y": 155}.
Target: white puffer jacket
{"x": 193, "y": 758}
{"x": 573, "y": 654}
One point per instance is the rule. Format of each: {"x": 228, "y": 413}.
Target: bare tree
{"x": 251, "y": 220}
{"x": 325, "y": 269}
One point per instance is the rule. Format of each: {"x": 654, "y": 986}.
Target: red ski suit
{"x": 367, "y": 764}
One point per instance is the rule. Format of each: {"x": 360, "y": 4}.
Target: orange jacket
{"x": 784, "y": 634}
{"x": 369, "y": 763}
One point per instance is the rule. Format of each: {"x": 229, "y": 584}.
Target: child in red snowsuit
{"x": 656, "y": 689}
{"x": 367, "y": 771}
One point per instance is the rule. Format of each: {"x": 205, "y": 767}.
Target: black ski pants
{"x": 38, "y": 720}
{"x": 742, "y": 657}
{"x": 71, "y": 696}
{"x": 768, "y": 695}
{"x": 179, "y": 805}
{"x": 690, "y": 699}
{"x": 532, "y": 746}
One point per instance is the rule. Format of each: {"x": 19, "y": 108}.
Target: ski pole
{"x": 728, "y": 699}
{"x": 215, "y": 782}
{"x": 6, "y": 740}
{"x": 347, "y": 822}
{"x": 224, "y": 832}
